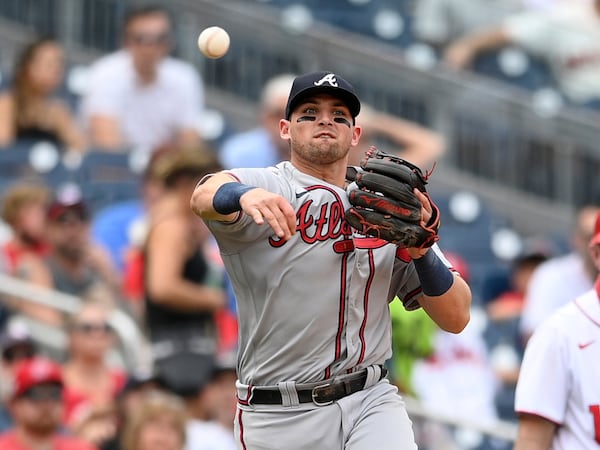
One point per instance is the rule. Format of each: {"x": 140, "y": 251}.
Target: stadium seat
{"x": 33, "y": 160}
{"x": 515, "y": 67}
{"x": 107, "y": 178}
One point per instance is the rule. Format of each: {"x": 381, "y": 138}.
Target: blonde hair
{"x": 177, "y": 163}
{"x": 154, "y": 404}
{"x": 21, "y": 194}
{"x": 276, "y": 88}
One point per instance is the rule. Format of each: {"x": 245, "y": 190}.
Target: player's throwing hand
{"x": 263, "y": 205}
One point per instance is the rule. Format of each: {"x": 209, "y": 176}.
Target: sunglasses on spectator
{"x": 150, "y": 38}
{"x": 91, "y": 327}
{"x": 70, "y": 217}
{"x": 43, "y": 392}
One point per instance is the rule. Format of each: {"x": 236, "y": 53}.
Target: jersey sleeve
{"x": 544, "y": 381}
{"x": 244, "y": 229}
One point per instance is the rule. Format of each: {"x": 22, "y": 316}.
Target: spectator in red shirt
{"x": 37, "y": 408}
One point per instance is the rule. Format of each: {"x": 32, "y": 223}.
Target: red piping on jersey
{"x": 361, "y": 333}
{"x": 246, "y": 401}
{"x": 344, "y": 270}
{"x": 534, "y": 413}
{"x": 412, "y": 294}
{"x": 338, "y": 336}
{"x": 241, "y": 429}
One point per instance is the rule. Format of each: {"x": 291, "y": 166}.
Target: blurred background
{"x": 519, "y": 163}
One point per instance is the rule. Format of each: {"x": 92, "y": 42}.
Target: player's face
{"x": 321, "y": 130}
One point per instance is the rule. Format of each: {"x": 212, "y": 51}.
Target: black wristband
{"x": 433, "y": 274}
{"x": 227, "y": 198}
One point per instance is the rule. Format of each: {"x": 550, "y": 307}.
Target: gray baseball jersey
{"x": 317, "y": 305}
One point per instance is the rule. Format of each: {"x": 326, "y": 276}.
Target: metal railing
{"x": 502, "y": 430}
{"x": 133, "y": 347}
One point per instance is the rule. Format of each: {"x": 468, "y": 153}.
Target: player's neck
{"x": 334, "y": 173}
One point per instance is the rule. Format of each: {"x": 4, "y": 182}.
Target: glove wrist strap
{"x": 227, "y": 198}
{"x": 433, "y": 274}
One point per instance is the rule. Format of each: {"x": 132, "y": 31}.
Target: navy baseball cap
{"x": 322, "y": 82}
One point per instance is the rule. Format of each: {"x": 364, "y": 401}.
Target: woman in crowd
{"x": 29, "y": 109}
{"x": 183, "y": 288}
{"x": 91, "y": 383}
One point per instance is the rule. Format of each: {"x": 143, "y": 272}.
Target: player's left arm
{"x": 446, "y": 295}
{"x": 534, "y": 433}
{"x": 450, "y": 310}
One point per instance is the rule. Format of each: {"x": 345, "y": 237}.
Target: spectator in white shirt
{"x": 566, "y": 37}
{"x": 139, "y": 96}
{"x": 557, "y": 281}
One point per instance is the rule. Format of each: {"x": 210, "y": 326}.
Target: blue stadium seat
{"x": 472, "y": 241}
{"x": 14, "y": 162}
{"x": 106, "y": 178}
{"x": 28, "y": 160}
{"x": 535, "y": 76}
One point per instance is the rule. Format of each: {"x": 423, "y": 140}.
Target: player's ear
{"x": 356, "y": 134}
{"x": 284, "y": 129}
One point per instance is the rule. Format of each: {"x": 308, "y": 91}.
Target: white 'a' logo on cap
{"x": 329, "y": 78}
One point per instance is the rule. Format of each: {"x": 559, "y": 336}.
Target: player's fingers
{"x": 277, "y": 223}
{"x": 282, "y": 218}
{"x": 275, "y": 211}
{"x": 256, "y": 215}
{"x": 290, "y": 216}
{"x": 426, "y": 209}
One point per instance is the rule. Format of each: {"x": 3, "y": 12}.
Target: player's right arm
{"x": 221, "y": 197}
{"x": 535, "y": 433}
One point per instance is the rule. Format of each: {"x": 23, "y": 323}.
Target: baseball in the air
{"x": 213, "y": 42}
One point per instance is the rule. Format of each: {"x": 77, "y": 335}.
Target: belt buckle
{"x": 314, "y": 394}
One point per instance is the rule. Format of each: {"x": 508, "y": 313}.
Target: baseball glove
{"x": 384, "y": 204}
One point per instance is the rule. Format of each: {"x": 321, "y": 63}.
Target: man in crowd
{"x": 36, "y": 407}
{"x": 139, "y": 97}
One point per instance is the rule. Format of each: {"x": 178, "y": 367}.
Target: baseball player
{"x": 312, "y": 292}
{"x": 558, "y": 392}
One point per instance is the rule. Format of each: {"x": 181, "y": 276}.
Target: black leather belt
{"x": 321, "y": 394}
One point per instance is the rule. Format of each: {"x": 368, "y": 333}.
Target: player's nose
{"x": 325, "y": 118}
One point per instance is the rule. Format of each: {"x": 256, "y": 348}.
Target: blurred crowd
{"x": 550, "y": 46}
{"x": 149, "y": 257}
